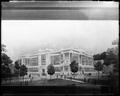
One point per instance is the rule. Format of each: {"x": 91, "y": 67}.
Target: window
{"x": 32, "y": 69}
{"x": 83, "y": 60}
{"x": 23, "y": 60}
{"x": 75, "y": 57}
{"x": 35, "y": 75}
{"x": 79, "y": 58}
{"x": 26, "y": 61}
{"x": 66, "y": 68}
{"x": 55, "y": 59}
{"x": 61, "y": 58}
{"x": 70, "y": 57}
{"x": 62, "y": 68}
{"x": 91, "y": 61}
{"x": 43, "y": 59}
{"x": 52, "y": 59}
{"x": 58, "y": 69}
{"x": 87, "y": 61}
{"x": 66, "y": 55}
{"x": 67, "y": 58}
{"x": 80, "y": 68}
{"x": 43, "y": 72}
{"x": 34, "y": 61}
{"x": 87, "y": 69}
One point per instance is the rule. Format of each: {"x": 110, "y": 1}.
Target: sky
{"x": 24, "y": 36}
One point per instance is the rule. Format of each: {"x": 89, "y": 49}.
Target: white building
{"x": 61, "y": 59}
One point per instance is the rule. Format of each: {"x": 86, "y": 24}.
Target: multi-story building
{"x": 61, "y": 59}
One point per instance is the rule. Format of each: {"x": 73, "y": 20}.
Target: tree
{"x": 97, "y": 57}
{"x": 100, "y": 56}
{"x": 103, "y": 55}
{"x": 3, "y": 48}
{"x": 98, "y": 67}
{"x": 17, "y": 68}
{"x": 5, "y": 71}
{"x": 50, "y": 70}
{"x": 111, "y": 58}
{"x": 6, "y": 61}
{"x": 74, "y": 66}
{"x": 23, "y": 71}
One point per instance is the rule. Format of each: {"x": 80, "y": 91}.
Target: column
{"x": 69, "y": 57}
{"x": 81, "y": 60}
{"x": 78, "y": 59}
{"x": 80, "y": 64}
{"x": 39, "y": 64}
{"x": 22, "y": 61}
{"x": 63, "y": 61}
{"x": 69, "y": 64}
{"x": 86, "y": 60}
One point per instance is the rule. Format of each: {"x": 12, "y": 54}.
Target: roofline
{"x": 81, "y": 51}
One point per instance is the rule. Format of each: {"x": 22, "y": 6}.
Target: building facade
{"x": 61, "y": 59}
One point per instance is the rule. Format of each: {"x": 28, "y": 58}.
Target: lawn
{"x": 52, "y": 82}
{"x": 45, "y": 82}
{"x": 70, "y": 85}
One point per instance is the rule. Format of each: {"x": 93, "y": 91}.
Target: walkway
{"x": 73, "y": 80}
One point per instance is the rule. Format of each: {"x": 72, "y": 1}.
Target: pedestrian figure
{"x": 30, "y": 77}
{"x": 57, "y": 76}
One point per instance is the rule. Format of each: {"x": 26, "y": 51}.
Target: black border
{"x": 60, "y": 10}
{"x": 50, "y": 90}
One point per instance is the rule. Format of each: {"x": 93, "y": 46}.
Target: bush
{"x": 96, "y": 81}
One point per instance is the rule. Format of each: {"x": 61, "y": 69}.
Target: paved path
{"x": 73, "y": 80}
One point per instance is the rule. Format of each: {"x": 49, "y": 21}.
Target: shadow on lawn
{"x": 59, "y": 86}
